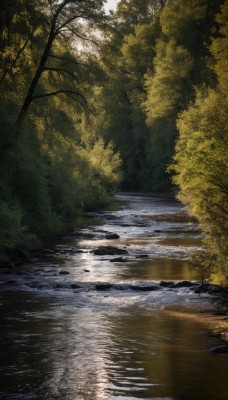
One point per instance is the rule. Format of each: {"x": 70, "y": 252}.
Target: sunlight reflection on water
{"x": 64, "y": 342}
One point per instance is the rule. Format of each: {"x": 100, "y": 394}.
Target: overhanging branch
{"x": 84, "y": 38}
{"x": 72, "y": 93}
{"x": 63, "y": 70}
{"x": 67, "y": 60}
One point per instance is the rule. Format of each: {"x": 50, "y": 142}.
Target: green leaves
{"x": 201, "y": 157}
{"x": 180, "y": 19}
{"x": 219, "y": 48}
{"x": 167, "y": 90}
{"x": 51, "y": 167}
{"x": 201, "y": 161}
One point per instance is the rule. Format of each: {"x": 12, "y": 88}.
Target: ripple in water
{"x": 63, "y": 338}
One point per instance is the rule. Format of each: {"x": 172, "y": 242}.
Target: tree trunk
{"x": 35, "y": 80}
{"x": 52, "y": 35}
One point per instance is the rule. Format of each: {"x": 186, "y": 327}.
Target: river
{"x": 81, "y": 326}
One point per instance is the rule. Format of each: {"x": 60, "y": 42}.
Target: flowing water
{"x": 80, "y": 326}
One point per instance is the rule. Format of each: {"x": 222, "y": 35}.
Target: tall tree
{"x": 52, "y": 170}
{"x": 68, "y": 18}
{"x": 201, "y": 159}
{"x": 17, "y": 31}
{"x": 182, "y": 61}
{"x": 130, "y": 13}
{"x": 125, "y": 62}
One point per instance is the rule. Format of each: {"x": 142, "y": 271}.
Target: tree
{"x": 125, "y": 63}
{"x": 130, "y": 13}
{"x": 66, "y": 20}
{"x": 138, "y": 51}
{"x": 48, "y": 173}
{"x": 181, "y": 63}
{"x": 200, "y": 160}
{"x": 219, "y": 48}
{"x": 168, "y": 90}
{"x": 191, "y": 24}
{"x": 17, "y": 32}
{"x": 200, "y": 164}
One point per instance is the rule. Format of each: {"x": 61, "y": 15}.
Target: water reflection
{"x": 52, "y": 351}
{"x": 57, "y": 351}
{"x": 58, "y": 343}
{"x": 163, "y": 357}
{"x": 157, "y": 269}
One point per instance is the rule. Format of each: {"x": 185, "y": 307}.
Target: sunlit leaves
{"x": 219, "y": 48}
{"x": 51, "y": 170}
{"x": 179, "y": 18}
{"x": 138, "y": 49}
{"x": 167, "y": 90}
{"x": 200, "y": 163}
{"x": 201, "y": 156}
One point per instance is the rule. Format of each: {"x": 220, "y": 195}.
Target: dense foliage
{"x": 156, "y": 55}
{"x": 201, "y": 157}
{"x": 83, "y": 93}
{"x": 52, "y": 165}
{"x": 165, "y": 97}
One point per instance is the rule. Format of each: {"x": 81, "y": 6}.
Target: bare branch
{"x": 67, "y": 92}
{"x": 68, "y": 21}
{"x": 61, "y": 70}
{"x": 84, "y": 38}
{"x": 18, "y": 55}
{"x": 67, "y": 60}
{"x": 58, "y": 15}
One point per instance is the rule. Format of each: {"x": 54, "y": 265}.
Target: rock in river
{"x": 168, "y": 284}
{"x": 119, "y": 259}
{"x": 144, "y": 288}
{"x": 220, "y": 349}
{"x": 184, "y": 284}
{"x": 142, "y": 256}
{"x": 109, "y": 250}
{"x": 111, "y": 236}
{"x": 103, "y": 286}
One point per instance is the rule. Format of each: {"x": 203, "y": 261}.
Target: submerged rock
{"x": 175, "y": 285}
{"x": 167, "y": 284}
{"x": 103, "y": 286}
{"x": 84, "y": 235}
{"x": 183, "y": 284}
{"x": 119, "y": 259}
{"x": 220, "y": 349}
{"x": 146, "y": 288}
{"x": 75, "y": 286}
{"x": 111, "y": 236}
{"x": 109, "y": 250}
{"x": 142, "y": 256}
{"x": 213, "y": 290}
{"x": 201, "y": 289}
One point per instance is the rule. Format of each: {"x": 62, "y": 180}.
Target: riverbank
{"x": 216, "y": 324}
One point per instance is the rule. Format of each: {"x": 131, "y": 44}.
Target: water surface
{"x": 61, "y": 338}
